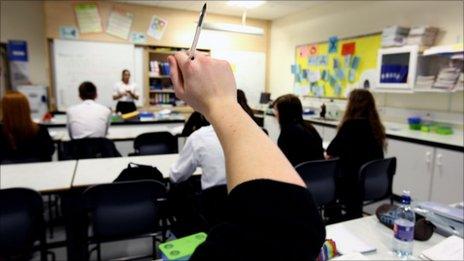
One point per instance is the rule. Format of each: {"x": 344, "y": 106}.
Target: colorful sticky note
{"x": 335, "y": 63}
{"x": 340, "y": 74}
{"x": 332, "y": 80}
{"x": 313, "y": 60}
{"x": 323, "y": 60}
{"x": 348, "y": 48}
{"x": 337, "y": 89}
{"x": 314, "y": 76}
{"x": 324, "y": 75}
{"x": 347, "y": 60}
{"x": 351, "y": 75}
{"x": 313, "y": 49}
{"x": 355, "y": 62}
{"x": 304, "y": 74}
{"x": 304, "y": 51}
{"x": 333, "y": 42}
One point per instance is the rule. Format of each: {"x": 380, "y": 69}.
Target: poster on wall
{"x": 120, "y": 23}
{"x": 157, "y": 27}
{"x": 88, "y": 18}
{"x": 69, "y": 32}
{"x": 138, "y": 37}
{"x": 19, "y": 67}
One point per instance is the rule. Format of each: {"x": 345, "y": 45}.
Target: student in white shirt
{"x": 88, "y": 119}
{"x": 203, "y": 149}
{"x": 125, "y": 93}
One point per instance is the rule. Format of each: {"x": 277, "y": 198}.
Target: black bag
{"x": 137, "y": 172}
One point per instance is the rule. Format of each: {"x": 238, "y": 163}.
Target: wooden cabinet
{"x": 448, "y": 176}
{"x": 414, "y": 168}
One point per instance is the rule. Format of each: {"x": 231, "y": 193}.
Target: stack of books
{"x": 394, "y": 36}
{"x": 425, "y": 81}
{"x": 447, "y": 78}
{"x": 423, "y": 36}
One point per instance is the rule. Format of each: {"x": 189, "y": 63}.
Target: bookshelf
{"x": 160, "y": 91}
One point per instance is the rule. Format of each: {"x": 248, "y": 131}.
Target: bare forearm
{"x": 249, "y": 153}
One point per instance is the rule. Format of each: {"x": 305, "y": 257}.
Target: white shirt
{"x": 202, "y": 149}
{"x": 88, "y": 120}
{"x": 122, "y": 88}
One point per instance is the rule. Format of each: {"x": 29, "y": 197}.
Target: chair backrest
{"x": 319, "y": 176}
{"x": 87, "y": 148}
{"x": 376, "y": 179}
{"x": 154, "y": 143}
{"x": 139, "y": 172}
{"x": 21, "y": 221}
{"x": 124, "y": 209}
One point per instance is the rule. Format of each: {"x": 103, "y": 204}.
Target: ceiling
{"x": 270, "y": 10}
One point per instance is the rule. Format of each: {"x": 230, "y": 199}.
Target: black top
{"x": 266, "y": 220}
{"x": 300, "y": 143}
{"x": 355, "y": 145}
{"x": 39, "y": 148}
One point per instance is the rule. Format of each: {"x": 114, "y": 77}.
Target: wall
{"x": 350, "y": 18}
{"x": 24, "y": 20}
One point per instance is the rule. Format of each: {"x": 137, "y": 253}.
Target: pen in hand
{"x": 197, "y": 33}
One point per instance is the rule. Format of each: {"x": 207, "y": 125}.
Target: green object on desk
{"x": 444, "y": 130}
{"x": 182, "y": 248}
{"x": 415, "y": 126}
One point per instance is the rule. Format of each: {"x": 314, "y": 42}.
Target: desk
{"x": 43, "y": 177}
{"x": 378, "y": 235}
{"x": 98, "y": 171}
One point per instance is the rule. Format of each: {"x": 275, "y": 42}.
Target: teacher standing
{"x": 125, "y": 93}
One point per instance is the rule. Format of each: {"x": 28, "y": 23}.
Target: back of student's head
{"x": 290, "y": 111}
{"x": 17, "y": 123}
{"x": 242, "y": 100}
{"x": 87, "y": 91}
{"x": 361, "y": 105}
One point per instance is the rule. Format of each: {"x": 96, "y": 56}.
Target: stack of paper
{"x": 448, "y": 249}
{"x": 394, "y": 36}
{"x": 447, "y": 78}
{"x": 347, "y": 242}
{"x": 425, "y": 81}
{"x": 422, "y": 35}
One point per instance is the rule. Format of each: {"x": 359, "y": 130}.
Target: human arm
{"x": 133, "y": 94}
{"x": 208, "y": 86}
{"x": 117, "y": 94}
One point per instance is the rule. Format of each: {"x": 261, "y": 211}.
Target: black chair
{"x": 319, "y": 176}
{"x": 124, "y": 210}
{"x": 376, "y": 180}
{"x": 87, "y": 148}
{"x": 213, "y": 205}
{"x": 21, "y": 224}
{"x": 154, "y": 143}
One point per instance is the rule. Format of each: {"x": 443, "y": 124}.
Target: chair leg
{"x": 50, "y": 216}
{"x": 155, "y": 252}
{"x": 98, "y": 251}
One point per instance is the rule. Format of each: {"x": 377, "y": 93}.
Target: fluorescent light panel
{"x": 236, "y": 28}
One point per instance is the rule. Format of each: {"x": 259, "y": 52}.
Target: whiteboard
{"x": 101, "y": 63}
{"x": 249, "y": 71}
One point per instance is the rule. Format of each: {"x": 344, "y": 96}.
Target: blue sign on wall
{"x": 17, "y": 50}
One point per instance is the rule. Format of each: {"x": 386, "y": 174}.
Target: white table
{"x": 98, "y": 171}
{"x": 43, "y": 177}
{"x": 374, "y": 233}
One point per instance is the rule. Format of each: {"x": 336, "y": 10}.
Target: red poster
{"x": 313, "y": 49}
{"x": 348, "y": 48}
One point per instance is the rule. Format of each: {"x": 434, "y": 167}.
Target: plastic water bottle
{"x": 403, "y": 228}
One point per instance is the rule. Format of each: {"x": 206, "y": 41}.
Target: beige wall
{"x": 350, "y": 18}
{"x": 24, "y": 20}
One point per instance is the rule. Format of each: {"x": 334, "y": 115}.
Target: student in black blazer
{"x": 298, "y": 140}
{"x": 22, "y": 140}
{"x": 360, "y": 139}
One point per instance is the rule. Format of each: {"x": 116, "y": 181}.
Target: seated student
{"x": 193, "y": 123}
{"x": 88, "y": 119}
{"x": 272, "y": 215}
{"x": 22, "y": 140}
{"x": 360, "y": 139}
{"x": 298, "y": 140}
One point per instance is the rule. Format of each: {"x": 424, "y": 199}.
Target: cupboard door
{"x": 414, "y": 168}
{"x": 329, "y": 133}
{"x": 447, "y": 181}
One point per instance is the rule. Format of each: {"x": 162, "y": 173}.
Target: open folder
{"x": 448, "y": 249}
{"x": 347, "y": 242}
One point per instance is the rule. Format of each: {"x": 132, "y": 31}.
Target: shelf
{"x": 160, "y": 77}
{"x": 444, "y": 49}
{"x": 162, "y": 91}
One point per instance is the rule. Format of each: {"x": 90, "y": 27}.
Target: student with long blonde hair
{"x": 22, "y": 140}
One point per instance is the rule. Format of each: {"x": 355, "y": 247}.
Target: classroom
{"x": 231, "y": 130}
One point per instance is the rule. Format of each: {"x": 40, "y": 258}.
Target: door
{"x": 414, "y": 168}
{"x": 448, "y": 177}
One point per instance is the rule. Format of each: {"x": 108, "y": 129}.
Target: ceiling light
{"x": 246, "y": 4}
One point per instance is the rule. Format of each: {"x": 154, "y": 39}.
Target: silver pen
{"x": 197, "y": 33}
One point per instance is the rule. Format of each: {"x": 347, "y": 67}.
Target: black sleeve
{"x": 284, "y": 143}
{"x": 268, "y": 220}
{"x": 46, "y": 144}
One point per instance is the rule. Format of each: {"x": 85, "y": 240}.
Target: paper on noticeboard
{"x": 120, "y": 23}
{"x": 157, "y": 27}
{"x": 88, "y": 18}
